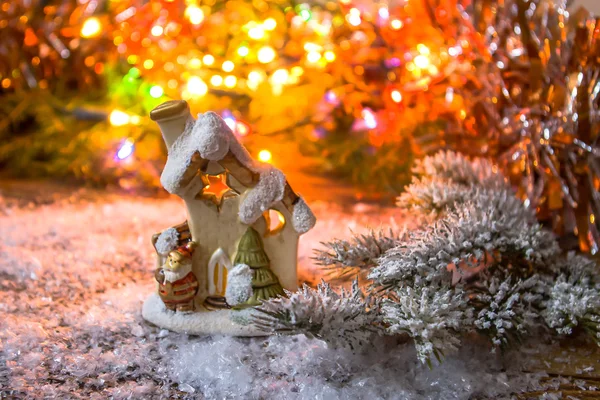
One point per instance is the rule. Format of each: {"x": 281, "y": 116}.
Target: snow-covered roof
{"x": 211, "y": 138}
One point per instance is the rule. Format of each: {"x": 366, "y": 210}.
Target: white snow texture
{"x": 239, "y": 285}
{"x": 210, "y": 136}
{"x": 303, "y": 218}
{"x": 167, "y": 241}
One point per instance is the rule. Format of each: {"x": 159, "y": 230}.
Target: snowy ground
{"x": 75, "y": 268}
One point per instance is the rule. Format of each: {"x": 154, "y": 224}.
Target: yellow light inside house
{"x": 396, "y": 24}
{"x": 227, "y": 66}
{"x": 256, "y": 32}
{"x": 91, "y": 27}
{"x": 208, "y": 59}
{"x": 216, "y": 80}
{"x": 148, "y": 64}
{"x": 280, "y": 76}
{"x": 194, "y": 14}
{"x": 421, "y": 61}
{"x": 266, "y": 54}
{"x": 421, "y": 48}
{"x": 243, "y": 51}
{"x": 313, "y": 56}
{"x": 330, "y": 56}
{"x": 270, "y": 24}
{"x": 265, "y": 156}
{"x": 156, "y": 91}
{"x": 396, "y": 96}
{"x": 194, "y": 63}
{"x": 196, "y": 86}
{"x": 118, "y": 118}
{"x": 157, "y": 30}
{"x": 230, "y": 81}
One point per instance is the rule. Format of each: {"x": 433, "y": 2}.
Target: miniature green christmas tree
{"x": 265, "y": 284}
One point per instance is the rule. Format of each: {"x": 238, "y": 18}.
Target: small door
{"x": 218, "y": 266}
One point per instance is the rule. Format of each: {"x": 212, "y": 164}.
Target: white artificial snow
{"x": 195, "y": 323}
{"x": 210, "y": 136}
{"x": 303, "y": 218}
{"x": 167, "y": 241}
{"x": 239, "y": 285}
{"x": 75, "y": 330}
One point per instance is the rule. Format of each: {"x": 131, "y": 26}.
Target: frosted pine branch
{"x": 359, "y": 253}
{"x": 504, "y": 308}
{"x": 456, "y": 167}
{"x": 492, "y": 223}
{"x": 347, "y": 319}
{"x": 574, "y": 298}
{"x": 431, "y": 316}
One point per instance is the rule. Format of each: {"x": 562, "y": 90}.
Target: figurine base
{"x": 195, "y": 323}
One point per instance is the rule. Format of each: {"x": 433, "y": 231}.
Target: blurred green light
{"x": 305, "y": 14}
{"x": 134, "y": 72}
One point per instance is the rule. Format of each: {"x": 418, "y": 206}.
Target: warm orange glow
{"x": 265, "y": 156}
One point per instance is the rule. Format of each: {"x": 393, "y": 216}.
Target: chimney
{"x": 171, "y": 117}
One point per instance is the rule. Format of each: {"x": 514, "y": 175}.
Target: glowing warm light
{"x": 156, "y": 91}
{"x": 125, "y": 150}
{"x": 118, "y": 118}
{"x": 313, "y": 56}
{"x": 396, "y": 96}
{"x": 384, "y": 13}
{"x": 330, "y": 56}
{"x": 369, "y": 118}
{"x": 308, "y": 46}
{"x": 241, "y": 128}
{"x": 421, "y": 61}
{"x": 280, "y": 76}
{"x": 148, "y": 64}
{"x": 194, "y": 63}
{"x": 208, "y": 59}
{"x": 396, "y": 24}
{"x": 243, "y": 51}
{"x": 216, "y": 80}
{"x": 266, "y": 54}
{"x": 227, "y": 66}
{"x": 256, "y": 33}
{"x": 254, "y": 79}
{"x": 194, "y": 14}
{"x": 230, "y": 121}
{"x": 255, "y": 76}
{"x": 196, "y": 86}
{"x": 157, "y": 30}
{"x": 297, "y": 70}
{"x": 230, "y": 81}
{"x": 421, "y": 48}
{"x": 353, "y": 17}
{"x": 270, "y": 24}
{"x": 265, "y": 156}
{"x": 91, "y": 27}
{"x": 135, "y": 119}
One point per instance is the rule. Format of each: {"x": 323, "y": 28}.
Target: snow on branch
{"x": 344, "y": 320}
{"x": 360, "y": 252}
{"x": 432, "y": 317}
{"x": 483, "y": 264}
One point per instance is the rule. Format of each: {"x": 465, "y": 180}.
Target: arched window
{"x": 274, "y": 221}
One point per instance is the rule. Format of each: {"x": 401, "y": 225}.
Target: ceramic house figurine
{"x": 241, "y": 236}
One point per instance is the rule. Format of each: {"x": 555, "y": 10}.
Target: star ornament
{"x": 215, "y": 189}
